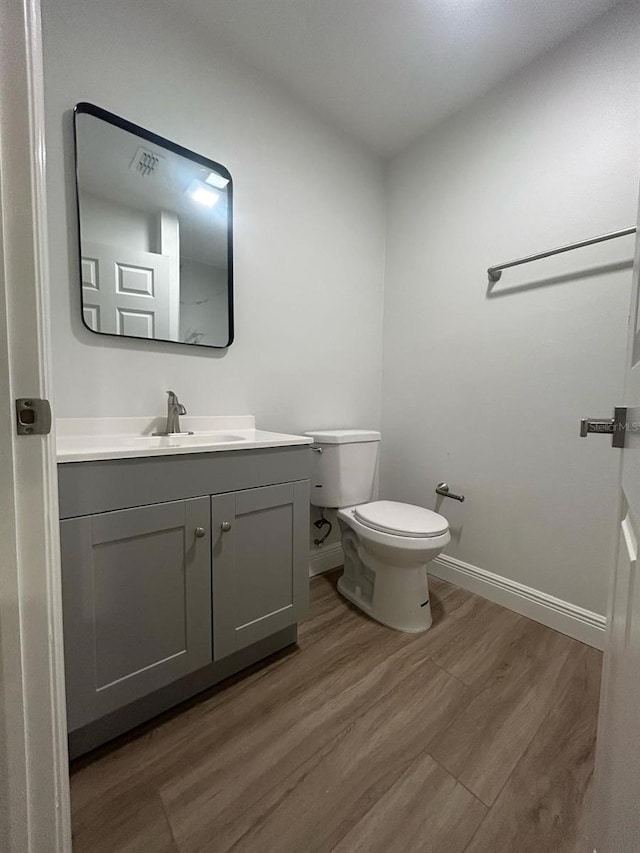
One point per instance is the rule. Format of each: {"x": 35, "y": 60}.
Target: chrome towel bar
{"x": 443, "y": 489}
{"x": 495, "y": 271}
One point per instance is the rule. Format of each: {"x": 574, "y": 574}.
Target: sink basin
{"x": 198, "y": 438}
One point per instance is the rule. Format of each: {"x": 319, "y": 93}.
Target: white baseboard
{"x": 583, "y": 625}
{"x": 325, "y": 559}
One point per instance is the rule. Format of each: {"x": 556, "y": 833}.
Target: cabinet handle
{"x": 225, "y": 526}
{"x": 200, "y": 532}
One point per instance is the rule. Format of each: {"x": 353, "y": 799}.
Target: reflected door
{"x": 127, "y": 292}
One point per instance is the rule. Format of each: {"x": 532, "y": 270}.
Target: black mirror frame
{"x": 85, "y": 108}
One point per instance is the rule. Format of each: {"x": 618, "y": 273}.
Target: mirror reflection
{"x": 155, "y": 234}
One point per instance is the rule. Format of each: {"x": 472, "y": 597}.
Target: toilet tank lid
{"x": 343, "y": 436}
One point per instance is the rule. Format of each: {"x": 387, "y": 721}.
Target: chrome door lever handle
{"x": 615, "y": 426}
{"x": 588, "y": 425}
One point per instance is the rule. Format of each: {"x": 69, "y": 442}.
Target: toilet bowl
{"x": 387, "y": 545}
{"x": 385, "y": 568}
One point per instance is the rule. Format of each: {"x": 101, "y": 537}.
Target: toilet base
{"x": 355, "y": 597}
{"x": 396, "y": 596}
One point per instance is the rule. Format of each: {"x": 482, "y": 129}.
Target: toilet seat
{"x": 400, "y": 519}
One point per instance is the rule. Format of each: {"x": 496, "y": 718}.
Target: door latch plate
{"x": 33, "y": 416}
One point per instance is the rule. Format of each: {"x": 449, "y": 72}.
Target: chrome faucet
{"x": 174, "y": 410}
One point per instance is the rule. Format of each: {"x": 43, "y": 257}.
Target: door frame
{"x": 34, "y": 774}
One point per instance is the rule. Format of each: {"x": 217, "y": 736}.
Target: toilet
{"x": 387, "y": 545}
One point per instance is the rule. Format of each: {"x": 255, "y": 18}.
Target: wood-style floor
{"x": 475, "y": 736}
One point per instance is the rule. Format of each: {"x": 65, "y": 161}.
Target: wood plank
{"x": 357, "y": 674}
{"x": 311, "y": 806}
{"x": 424, "y": 811}
{"x": 489, "y": 736}
{"x": 134, "y": 822}
{"x": 484, "y": 646}
{"x": 542, "y": 804}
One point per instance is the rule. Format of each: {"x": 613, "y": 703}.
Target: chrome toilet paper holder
{"x": 443, "y": 489}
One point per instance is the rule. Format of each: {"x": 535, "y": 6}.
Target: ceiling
{"x": 385, "y": 71}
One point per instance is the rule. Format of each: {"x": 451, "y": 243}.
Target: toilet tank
{"x": 343, "y": 474}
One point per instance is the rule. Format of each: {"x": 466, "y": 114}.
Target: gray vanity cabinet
{"x": 259, "y": 543}
{"x": 137, "y": 593}
{"x": 177, "y": 571}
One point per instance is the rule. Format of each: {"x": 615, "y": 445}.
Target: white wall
{"x": 484, "y": 392}
{"x": 106, "y": 221}
{"x": 487, "y": 393}
{"x": 309, "y": 230}
{"x": 203, "y": 302}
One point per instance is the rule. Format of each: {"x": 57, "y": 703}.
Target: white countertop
{"x": 89, "y": 439}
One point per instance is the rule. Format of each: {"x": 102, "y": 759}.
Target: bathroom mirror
{"x": 155, "y": 220}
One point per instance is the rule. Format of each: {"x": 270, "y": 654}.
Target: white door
{"x": 34, "y": 780}
{"x": 617, "y": 775}
{"x": 126, "y": 292}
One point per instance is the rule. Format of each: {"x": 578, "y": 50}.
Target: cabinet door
{"x": 137, "y": 603}
{"x": 260, "y": 563}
